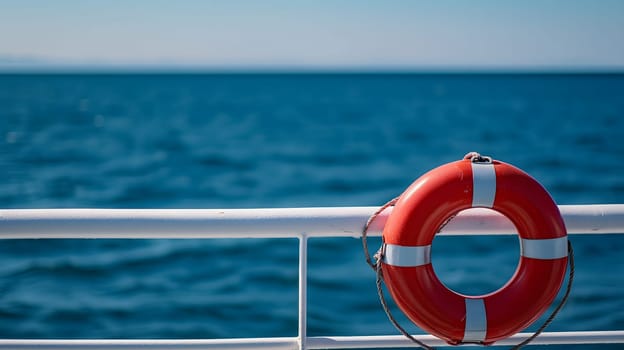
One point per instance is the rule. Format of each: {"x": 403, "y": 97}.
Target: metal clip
{"x": 475, "y": 157}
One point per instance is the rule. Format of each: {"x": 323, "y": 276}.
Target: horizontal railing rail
{"x": 268, "y": 223}
{"x": 290, "y": 343}
{"x": 301, "y": 223}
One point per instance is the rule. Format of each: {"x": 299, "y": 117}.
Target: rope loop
{"x": 382, "y": 299}
{"x": 370, "y": 220}
{"x": 559, "y": 306}
{"x": 379, "y": 273}
{"x": 379, "y": 281}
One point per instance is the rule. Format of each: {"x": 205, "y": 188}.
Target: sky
{"x": 347, "y": 34}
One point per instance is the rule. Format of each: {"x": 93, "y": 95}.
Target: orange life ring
{"x": 437, "y": 196}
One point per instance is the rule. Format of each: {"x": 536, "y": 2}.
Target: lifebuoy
{"x": 437, "y": 196}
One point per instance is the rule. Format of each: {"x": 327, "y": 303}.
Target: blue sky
{"x": 425, "y": 35}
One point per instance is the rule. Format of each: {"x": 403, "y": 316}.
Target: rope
{"x": 379, "y": 280}
{"x": 556, "y": 310}
{"x": 394, "y": 322}
{"x": 370, "y": 220}
{"x": 379, "y": 273}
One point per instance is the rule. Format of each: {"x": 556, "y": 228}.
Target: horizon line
{"x": 302, "y": 69}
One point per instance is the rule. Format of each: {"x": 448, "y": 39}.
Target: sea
{"x": 191, "y": 140}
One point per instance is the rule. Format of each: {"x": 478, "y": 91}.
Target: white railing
{"x": 302, "y": 223}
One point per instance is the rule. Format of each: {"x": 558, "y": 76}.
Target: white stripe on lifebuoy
{"x": 483, "y": 185}
{"x": 553, "y": 248}
{"x": 397, "y": 255}
{"x": 476, "y": 321}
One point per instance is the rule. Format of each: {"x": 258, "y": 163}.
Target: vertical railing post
{"x": 303, "y": 289}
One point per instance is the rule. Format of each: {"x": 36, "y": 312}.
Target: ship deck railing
{"x": 301, "y": 223}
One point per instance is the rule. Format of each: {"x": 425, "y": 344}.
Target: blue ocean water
{"x": 240, "y": 141}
